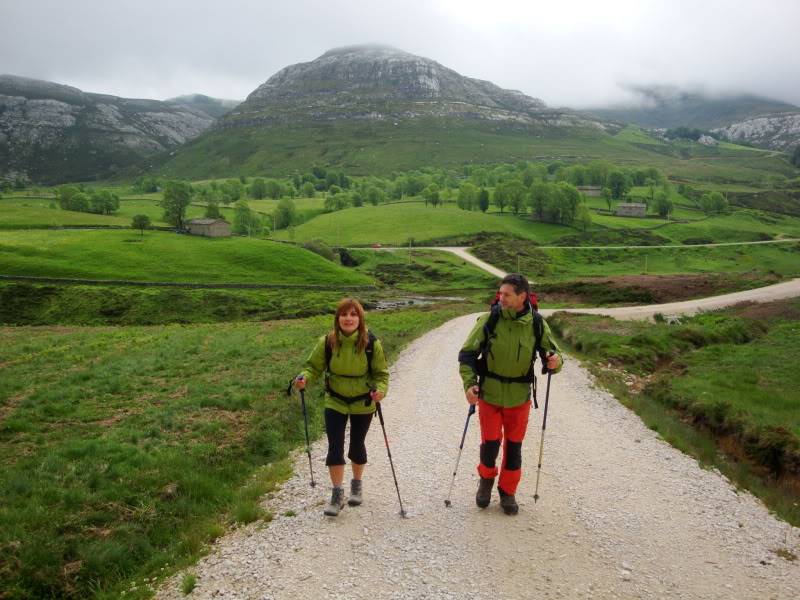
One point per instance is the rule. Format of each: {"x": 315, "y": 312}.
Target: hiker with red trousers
{"x": 497, "y": 368}
{"x": 352, "y": 363}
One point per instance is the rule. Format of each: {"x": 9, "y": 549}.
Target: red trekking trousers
{"x": 506, "y": 425}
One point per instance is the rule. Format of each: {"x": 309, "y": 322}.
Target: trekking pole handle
{"x": 368, "y": 401}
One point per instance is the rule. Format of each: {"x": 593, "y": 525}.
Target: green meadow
{"x": 127, "y": 450}
{"x": 165, "y": 256}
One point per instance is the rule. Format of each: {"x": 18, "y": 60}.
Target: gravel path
{"x": 622, "y": 514}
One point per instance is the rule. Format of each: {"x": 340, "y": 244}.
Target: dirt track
{"x": 622, "y": 514}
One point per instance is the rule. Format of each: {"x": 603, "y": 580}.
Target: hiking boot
{"x": 484, "y": 494}
{"x": 508, "y": 502}
{"x": 355, "y": 493}
{"x": 337, "y": 502}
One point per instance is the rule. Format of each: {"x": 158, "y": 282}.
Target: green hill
{"x": 165, "y": 256}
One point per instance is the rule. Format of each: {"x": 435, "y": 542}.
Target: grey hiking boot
{"x": 337, "y": 502}
{"x": 356, "y": 488}
{"x": 508, "y": 502}
{"x": 484, "y": 494}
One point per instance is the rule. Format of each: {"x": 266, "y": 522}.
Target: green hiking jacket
{"x": 511, "y": 353}
{"x": 348, "y": 374}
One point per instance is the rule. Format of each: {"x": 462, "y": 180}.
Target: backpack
{"x": 369, "y": 350}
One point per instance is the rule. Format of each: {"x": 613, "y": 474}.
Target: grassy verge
{"x": 720, "y": 386}
{"x": 126, "y": 450}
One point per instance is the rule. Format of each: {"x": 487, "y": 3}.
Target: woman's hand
{"x": 300, "y": 382}
{"x": 553, "y": 362}
{"x": 376, "y": 395}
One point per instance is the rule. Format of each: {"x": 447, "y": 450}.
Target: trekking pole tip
{"x": 403, "y": 513}
{"x": 447, "y": 503}
{"x": 535, "y": 498}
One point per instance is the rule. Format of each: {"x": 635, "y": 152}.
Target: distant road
{"x": 778, "y": 291}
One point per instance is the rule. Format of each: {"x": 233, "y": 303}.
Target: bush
{"x": 321, "y": 248}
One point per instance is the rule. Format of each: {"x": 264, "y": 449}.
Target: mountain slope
{"x": 372, "y": 108}
{"x": 52, "y": 133}
{"x": 663, "y": 106}
{"x": 214, "y": 107}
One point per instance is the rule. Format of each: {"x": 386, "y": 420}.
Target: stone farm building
{"x": 631, "y": 209}
{"x": 592, "y": 191}
{"x": 209, "y": 227}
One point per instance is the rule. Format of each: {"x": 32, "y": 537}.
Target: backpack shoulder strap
{"x": 538, "y": 329}
{"x": 491, "y": 323}
{"x": 328, "y": 354}
{"x": 370, "y": 349}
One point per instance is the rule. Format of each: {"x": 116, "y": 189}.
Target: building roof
{"x": 206, "y": 221}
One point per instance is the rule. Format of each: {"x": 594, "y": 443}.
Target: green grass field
{"x": 125, "y": 451}
{"x": 165, "y": 256}
{"x": 393, "y": 224}
{"x": 565, "y": 264}
{"x": 722, "y": 386}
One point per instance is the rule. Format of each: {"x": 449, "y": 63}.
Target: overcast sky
{"x": 568, "y": 53}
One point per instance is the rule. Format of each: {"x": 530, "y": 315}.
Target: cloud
{"x": 567, "y": 53}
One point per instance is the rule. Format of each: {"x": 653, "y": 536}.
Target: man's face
{"x": 511, "y": 299}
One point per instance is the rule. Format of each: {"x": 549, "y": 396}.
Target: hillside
{"x": 664, "y": 106}
{"x": 214, "y": 107}
{"x": 51, "y": 133}
{"x": 375, "y": 108}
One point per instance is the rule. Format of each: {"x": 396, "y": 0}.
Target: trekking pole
{"x": 460, "y": 448}
{"x": 386, "y": 441}
{"x": 305, "y": 422}
{"x": 541, "y": 443}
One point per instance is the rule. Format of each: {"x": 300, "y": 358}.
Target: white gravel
{"x": 622, "y": 514}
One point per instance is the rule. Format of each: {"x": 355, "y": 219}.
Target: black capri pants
{"x": 335, "y": 423}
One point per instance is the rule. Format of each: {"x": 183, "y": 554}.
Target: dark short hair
{"x": 519, "y": 282}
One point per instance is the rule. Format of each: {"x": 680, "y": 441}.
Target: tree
{"x": 663, "y": 204}
{"x": 285, "y": 213}
{"x": 335, "y": 202}
{"x": 104, "y": 202}
{"x": 796, "y": 157}
{"x": 245, "y": 220}
{"x": 177, "y": 196}
{"x": 232, "y": 190}
{"x": 538, "y": 198}
{"x": 468, "y": 196}
{"x": 212, "y": 211}
{"x": 606, "y": 193}
{"x": 140, "y": 222}
{"x": 514, "y": 192}
{"x": 431, "y": 194}
{"x": 307, "y": 190}
{"x": 375, "y": 195}
{"x": 258, "y": 189}
{"x": 713, "y": 203}
{"x": 583, "y": 218}
{"x": 483, "y": 200}
{"x": 273, "y": 189}
{"x": 619, "y": 184}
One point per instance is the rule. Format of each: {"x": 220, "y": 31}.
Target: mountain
{"x": 214, "y": 107}
{"x": 664, "y": 106}
{"x": 371, "y": 108}
{"x": 777, "y": 131}
{"x": 51, "y": 133}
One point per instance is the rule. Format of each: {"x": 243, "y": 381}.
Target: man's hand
{"x": 376, "y": 395}
{"x": 300, "y": 382}
{"x": 553, "y": 361}
{"x": 472, "y": 394}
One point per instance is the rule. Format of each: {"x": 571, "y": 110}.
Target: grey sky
{"x": 565, "y": 52}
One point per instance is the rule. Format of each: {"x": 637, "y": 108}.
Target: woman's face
{"x": 348, "y": 321}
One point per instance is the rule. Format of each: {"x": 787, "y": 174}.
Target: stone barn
{"x": 591, "y": 191}
{"x": 631, "y": 209}
{"x": 209, "y": 227}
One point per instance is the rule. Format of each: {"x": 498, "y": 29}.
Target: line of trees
{"x": 82, "y": 199}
